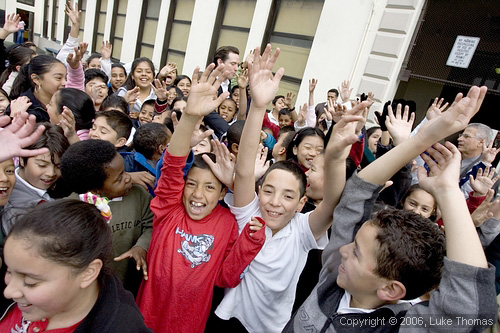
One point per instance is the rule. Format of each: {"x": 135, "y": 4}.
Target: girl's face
{"x": 7, "y": 180}
{"x": 307, "y": 150}
{"x": 420, "y": 202}
{"x": 227, "y": 109}
{"x": 172, "y": 94}
{"x": 118, "y": 77}
{"x": 4, "y": 103}
{"x": 42, "y": 288}
{"x": 54, "y": 115}
{"x": 146, "y": 114}
{"x": 39, "y": 171}
{"x": 143, "y": 75}
{"x": 236, "y": 97}
{"x": 373, "y": 140}
{"x": 315, "y": 178}
{"x": 51, "y": 81}
{"x": 185, "y": 86}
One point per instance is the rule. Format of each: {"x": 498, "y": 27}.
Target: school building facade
{"x": 409, "y": 49}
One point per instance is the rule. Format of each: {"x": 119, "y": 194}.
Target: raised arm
{"x": 453, "y": 120}
{"x": 201, "y": 102}
{"x": 462, "y": 242}
{"x": 336, "y": 152}
{"x": 263, "y": 87}
{"x": 74, "y": 15}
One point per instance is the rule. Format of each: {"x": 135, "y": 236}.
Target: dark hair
{"x": 118, "y": 121}
{"x": 300, "y": 135}
{"x": 234, "y": 132}
{"x": 93, "y": 73}
{"x": 38, "y": 65}
{"x": 179, "y": 78}
{"x": 275, "y": 99}
{"x": 333, "y": 90}
{"x": 117, "y": 65}
{"x": 69, "y": 232}
{"x": 149, "y": 137}
{"x": 294, "y": 169}
{"x": 222, "y": 53}
{"x": 52, "y": 138}
{"x": 17, "y": 55}
{"x": 371, "y": 130}
{"x": 198, "y": 162}
{"x": 285, "y": 112}
{"x": 169, "y": 123}
{"x": 411, "y": 249}
{"x": 3, "y": 92}
{"x": 92, "y": 57}
{"x": 178, "y": 98}
{"x": 80, "y": 104}
{"x": 129, "y": 82}
{"x": 150, "y": 102}
{"x": 178, "y": 91}
{"x": 289, "y": 134}
{"x": 116, "y": 102}
{"x": 84, "y": 164}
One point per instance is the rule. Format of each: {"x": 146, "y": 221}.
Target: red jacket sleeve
{"x": 240, "y": 255}
{"x": 275, "y": 128}
{"x": 160, "y": 107}
{"x": 357, "y": 150}
{"x": 474, "y": 202}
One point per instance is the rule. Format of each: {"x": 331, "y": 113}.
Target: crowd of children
{"x": 137, "y": 201}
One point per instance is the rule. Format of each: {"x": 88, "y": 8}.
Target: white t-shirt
{"x": 263, "y": 300}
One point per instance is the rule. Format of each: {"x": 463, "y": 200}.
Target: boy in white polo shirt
{"x": 263, "y": 300}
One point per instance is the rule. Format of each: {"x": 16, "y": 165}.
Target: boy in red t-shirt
{"x": 195, "y": 243}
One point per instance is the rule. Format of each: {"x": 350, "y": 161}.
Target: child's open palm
{"x": 263, "y": 84}
{"x": 203, "y": 95}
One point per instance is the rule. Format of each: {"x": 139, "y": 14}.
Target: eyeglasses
{"x": 467, "y": 136}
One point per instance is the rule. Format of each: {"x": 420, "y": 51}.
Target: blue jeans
{"x": 20, "y": 37}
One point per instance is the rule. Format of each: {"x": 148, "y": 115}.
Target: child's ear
{"x": 120, "y": 142}
{"x": 91, "y": 273}
{"x": 36, "y": 79}
{"x": 392, "y": 291}
{"x": 295, "y": 150}
{"x": 234, "y": 148}
{"x": 282, "y": 151}
{"x": 223, "y": 193}
{"x": 301, "y": 204}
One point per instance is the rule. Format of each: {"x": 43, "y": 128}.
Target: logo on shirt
{"x": 194, "y": 247}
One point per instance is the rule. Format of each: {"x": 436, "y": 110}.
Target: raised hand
{"x": 301, "y": 116}
{"x": 381, "y": 117}
{"x": 312, "y": 85}
{"x": 106, "y": 49}
{"x": 139, "y": 255}
{"x": 11, "y": 23}
{"x": 289, "y": 99}
{"x": 263, "y": 84}
{"x": 18, "y": 135}
{"x": 261, "y": 165}
{"x": 484, "y": 181}
{"x": 444, "y": 163}
{"x": 19, "y": 105}
{"x": 399, "y": 126}
{"x": 132, "y": 95}
{"x": 74, "y": 59}
{"x": 340, "y": 111}
{"x": 197, "y": 136}
{"x": 68, "y": 124}
{"x": 223, "y": 168}
{"x": 160, "y": 89}
{"x": 202, "y": 98}
{"x": 456, "y": 117}
{"x": 168, "y": 72}
{"x": 73, "y": 13}
{"x": 345, "y": 91}
{"x": 489, "y": 153}
{"x": 436, "y": 108}
{"x": 487, "y": 209}
{"x": 344, "y": 132}
{"x": 242, "y": 78}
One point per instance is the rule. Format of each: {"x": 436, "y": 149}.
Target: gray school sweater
{"x": 464, "y": 302}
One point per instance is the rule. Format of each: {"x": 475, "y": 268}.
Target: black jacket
{"x": 35, "y": 108}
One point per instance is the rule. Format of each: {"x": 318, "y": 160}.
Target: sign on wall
{"x": 462, "y": 51}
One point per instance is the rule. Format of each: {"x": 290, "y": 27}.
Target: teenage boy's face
{"x": 118, "y": 182}
{"x": 7, "y": 180}
{"x": 102, "y": 131}
{"x": 279, "y": 199}
{"x": 356, "y": 271}
{"x": 40, "y": 172}
{"x": 280, "y": 104}
{"x": 202, "y": 192}
{"x": 118, "y": 77}
{"x": 315, "y": 178}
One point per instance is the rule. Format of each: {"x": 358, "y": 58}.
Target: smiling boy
{"x": 195, "y": 243}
